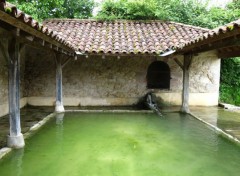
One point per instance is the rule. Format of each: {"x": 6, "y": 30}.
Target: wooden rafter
{"x": 211, "y": 40}
{"x": 230, "y": 42}
{"x": 10, "y": 24}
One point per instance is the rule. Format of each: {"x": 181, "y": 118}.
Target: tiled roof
{"x": 224, "y": 31}
{"x": 123, "y": 36}
{"x": 11, "y": 10}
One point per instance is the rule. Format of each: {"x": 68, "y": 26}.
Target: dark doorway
{"x": 158, "y": 75}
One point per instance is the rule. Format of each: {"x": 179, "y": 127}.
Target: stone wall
{"x": 112, "y": 81}
{"x": 204, "y": 82}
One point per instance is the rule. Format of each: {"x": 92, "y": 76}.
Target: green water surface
{"x": 127, "y": 144}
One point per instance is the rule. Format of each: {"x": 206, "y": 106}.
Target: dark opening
{"x": 158, "y": 75}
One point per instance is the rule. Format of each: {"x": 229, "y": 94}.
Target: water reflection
{"x": 59, "y": 131}
{"x": 16, "y": 162}
{"x": 59, "y": 118}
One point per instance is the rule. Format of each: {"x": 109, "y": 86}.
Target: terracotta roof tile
{"x": 123, "y": 36}
{"x": 230, "y": 28}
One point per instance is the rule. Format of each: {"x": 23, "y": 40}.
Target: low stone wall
{"x": 4, "y": 107}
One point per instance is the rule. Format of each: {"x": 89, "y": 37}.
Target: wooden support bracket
{"x": 179, "y": 63}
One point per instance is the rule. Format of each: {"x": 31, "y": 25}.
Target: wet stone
{"x": 29, "y": 117}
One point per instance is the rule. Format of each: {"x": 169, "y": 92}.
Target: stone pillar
{"x": 15, "y": 138}
{"x": 59, "y": 100}
{"x": 185, "y": 92}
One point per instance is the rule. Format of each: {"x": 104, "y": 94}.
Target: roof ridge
{"x": 192, "y": 26}
{"x": 123, "y": 20}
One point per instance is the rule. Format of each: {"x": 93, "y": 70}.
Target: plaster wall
{"x": 204, "y": 82}
{"x": 96, "y": 81}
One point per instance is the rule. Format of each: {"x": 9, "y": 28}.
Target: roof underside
{"x": 12, "y": 19}
{"x": 122, "y": 36}
{"x": 225, "y": 39}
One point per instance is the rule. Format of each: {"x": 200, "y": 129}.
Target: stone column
{"x": 59, "y": 100}
{"x": 15, "y": 138}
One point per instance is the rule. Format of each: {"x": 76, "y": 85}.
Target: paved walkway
{"x": 29, "y": 117}
{"x": 227, "y": 120}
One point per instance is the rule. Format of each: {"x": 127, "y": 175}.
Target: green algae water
{"x": 124, "y": 144}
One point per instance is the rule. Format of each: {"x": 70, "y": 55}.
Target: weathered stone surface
{"x": 109, "y": 81}
{"x": 205, "y": 73}
{"x": 113, "y": 81}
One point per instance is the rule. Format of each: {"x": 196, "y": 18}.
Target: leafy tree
{"x": 128, "y": 9}
{"x": 78, "y": 8}
{"x": 230, "y": 82}
{"x": 44, "y": 9}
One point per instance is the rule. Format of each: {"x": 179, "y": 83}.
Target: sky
{"x": 219, "y": 3}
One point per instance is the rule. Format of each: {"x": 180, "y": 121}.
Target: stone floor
{"x": 227, "y": 120}
{"x": 29, "y": 116}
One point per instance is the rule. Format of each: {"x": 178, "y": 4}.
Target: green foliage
{"x": 185, "y": 11}
{"x": 128, "y": 9}
{"x": 44, "y": 9}
{"x": 230, "y": 82}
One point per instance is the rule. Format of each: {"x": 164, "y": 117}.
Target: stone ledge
{"x": 4, "y": 151}
{"x": 218, "y": 130}
{"x": 114, "y": 111}
{"x": 38, "y": 125}
{"x": 229, "y": 106}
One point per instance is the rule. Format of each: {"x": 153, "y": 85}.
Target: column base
{"x": 15, "y": 142}
{"x": 184, "y": 110}
{"x": 59, "y": 108}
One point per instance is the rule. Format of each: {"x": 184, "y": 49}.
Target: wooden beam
{"x": 178, "y": 62}
{"x": 233, "y": 34}
{"x": 11, "y": 48}
{"x": 185, "y": 91}
{"x": 66, "y": 62}
{"x": 24, "y": 27}
{"x": 27, "y": 38}
{"x": 224, "y": 55}
{"x": 217, "y": 45}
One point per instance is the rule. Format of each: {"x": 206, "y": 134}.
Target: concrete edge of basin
{"x": 6, "y": 150}
{"x": 115, "y": 111}
{"x": 218, "y": 130}
{"x": 38, "y": 125}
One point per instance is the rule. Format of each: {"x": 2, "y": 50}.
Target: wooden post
{"x": 185, "y": 92}
{"x": 59, "y": 100}
{"x": 12, "y": 52}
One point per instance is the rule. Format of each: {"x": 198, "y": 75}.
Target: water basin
{"x": 124, "y": 144}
